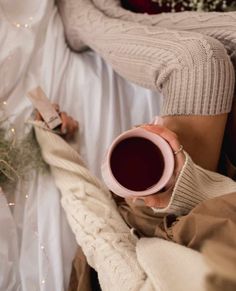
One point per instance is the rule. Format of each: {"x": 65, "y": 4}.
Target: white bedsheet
{"x": 36, "y": 244}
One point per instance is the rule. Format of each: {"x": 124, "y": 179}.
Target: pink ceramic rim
{"x": 167, "y": 153}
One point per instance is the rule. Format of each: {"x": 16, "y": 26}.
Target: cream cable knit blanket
{"x": 192, "y": 70}
{"x": 92, "y": 214}
{"x": 106, "y": 240}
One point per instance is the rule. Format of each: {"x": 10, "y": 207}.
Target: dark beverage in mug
{"x": 137, "y": 163}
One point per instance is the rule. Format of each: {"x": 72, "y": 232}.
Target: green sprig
{"x": 18, "y": 157}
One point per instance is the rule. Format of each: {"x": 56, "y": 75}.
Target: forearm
{"x": 201, "y": 137}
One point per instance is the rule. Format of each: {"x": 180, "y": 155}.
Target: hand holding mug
{"x": 143, "y": 163}
{"x": 162, "y": 198}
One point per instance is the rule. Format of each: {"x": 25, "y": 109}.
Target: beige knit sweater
{"x": 191, "y": 69}
{"x": 123, "y": 262}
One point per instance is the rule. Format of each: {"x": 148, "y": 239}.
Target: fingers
{"x": 72, "y": 128}
{"x": 64, "y": 126}
{"x": 159, "y": 200}
{"x": 56, "y": 107}
{"x": 158, "y": 120}
{"x": 162, "y": 198}
{"x": 37, "y": 116}
{"x": 69, "y": 125}
{"x": 165, "y": 133}
{"x": 171, "y": 138}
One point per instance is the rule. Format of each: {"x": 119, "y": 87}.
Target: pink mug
{"x": 138, "y": 163}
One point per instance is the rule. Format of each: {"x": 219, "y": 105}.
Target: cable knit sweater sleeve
{"x": 195, "y": 184}
{"x": 192, "y": 70}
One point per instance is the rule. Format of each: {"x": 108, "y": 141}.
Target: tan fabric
{"x": 213, "y": 220}
{"x": 80, "y": 279}
{"x": 192, "y": 70}
{"x": 216, "y": 283}
{"x": 142, "y": 219}
{"x": 211, "y": 227}
{"x": 222, "y": 260}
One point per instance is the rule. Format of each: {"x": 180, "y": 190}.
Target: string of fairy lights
{"x": 26, "y": 25}
{"x": 12, "y": 204}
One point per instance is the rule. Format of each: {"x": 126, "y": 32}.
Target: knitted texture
{"x": 192, "y": 70}
{"x": 105, "y": 238}
{"x": 221, "y": 26}
{"x": 195, "y": 185}
{"x": 172, "y": 266}
{"x": 92, "y": 214}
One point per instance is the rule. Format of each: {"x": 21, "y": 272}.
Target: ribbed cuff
{"x": 203, "y": 89}
{"x": 194, "y": 185}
